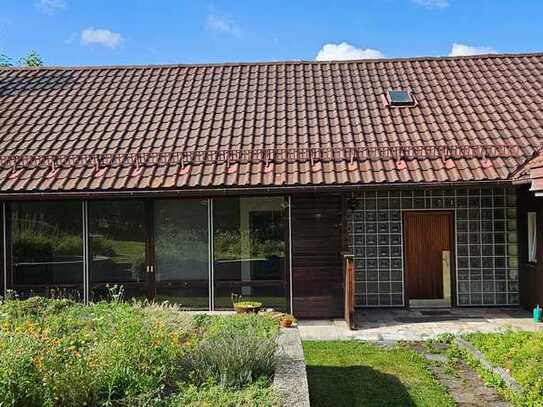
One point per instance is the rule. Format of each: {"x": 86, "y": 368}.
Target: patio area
{"x": 383, "y": 325}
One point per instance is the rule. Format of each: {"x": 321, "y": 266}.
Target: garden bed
{"x": 521, "y": 355}
{"x": 60, "y": 353}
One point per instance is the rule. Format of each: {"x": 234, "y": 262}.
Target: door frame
{"x": 452, "y": 232}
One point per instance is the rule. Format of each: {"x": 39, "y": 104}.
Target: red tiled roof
{"x": 482, "y": 100}
{"x": 531, "y": 173}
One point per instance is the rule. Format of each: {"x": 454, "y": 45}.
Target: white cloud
{"x": 432, "y": 3}
{"x": 101, "y": 36}
{"x": 345, "y": 51}
{"x": 51, "y": 6}
{"x": 458, "y": 50}
{"x": 222, "y": 24}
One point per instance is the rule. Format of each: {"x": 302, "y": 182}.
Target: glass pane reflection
{"x": 249, "y": 251}
{"x": 47, "y": 249}
{"x": 182, "y": 252}
{"x": 117, "y": 247}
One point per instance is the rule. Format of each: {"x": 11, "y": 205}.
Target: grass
{"x": 520, "y": 353}
{"x": 60, "y": 353}
{"x": 361, "y": 374}
{"x": 127, "y": 249}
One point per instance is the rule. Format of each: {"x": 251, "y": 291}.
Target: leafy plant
{"x": 521, "y": 354}
{"x": 62, "y": 353}
{"x": 32, "y": 59}
{"x": 233, "y": 359}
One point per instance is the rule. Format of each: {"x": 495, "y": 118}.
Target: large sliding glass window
{"x": 47, "y": 249}
{"x": 249, "y": 251}
{"x": 182, "y": 252}
{"x": 164, "y": 250}
{"x": 117, "y": 248}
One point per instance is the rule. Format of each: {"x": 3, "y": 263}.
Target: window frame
{"x": 531, "y": 221}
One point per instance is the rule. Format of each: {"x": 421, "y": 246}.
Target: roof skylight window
{"x": 400, "y": 98}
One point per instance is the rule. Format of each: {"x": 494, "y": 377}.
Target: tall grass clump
{"x": 235, "y": 352}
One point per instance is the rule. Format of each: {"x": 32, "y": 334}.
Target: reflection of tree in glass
{"x": 177, "y": 245}
{"x": 40, "y": 240}
{"x": 118, "y": 238}
{"x": 235, "y": 244}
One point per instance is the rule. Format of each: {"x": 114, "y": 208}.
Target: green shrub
{"x": 32, "y": 245}
{"x": 102, "y": 246}
{"x": 62, "y": 353}
{"x": 235, "y": 351}
{"x": 68, "y": 245}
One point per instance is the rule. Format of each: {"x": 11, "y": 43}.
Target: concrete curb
{"x": 481, "y": 358}
{"x": 290, "y": 375}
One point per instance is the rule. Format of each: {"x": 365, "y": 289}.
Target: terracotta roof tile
{"x": 295, "y": 105}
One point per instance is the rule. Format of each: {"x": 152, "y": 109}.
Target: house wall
{"x": 530, "y": 274}
{"x": 486, "y": 243}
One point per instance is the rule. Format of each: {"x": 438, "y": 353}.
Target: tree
{"x": 32, "y": 59}
{"x": 5, "y": 60}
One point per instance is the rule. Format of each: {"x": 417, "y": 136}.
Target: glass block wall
{"x": 485, "y": 243}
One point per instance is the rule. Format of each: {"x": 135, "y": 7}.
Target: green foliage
{"x": 32, "y": 59}
{"x": 235, "y": 245}
{"x": 29, "y": 244}
{"x": 5, "y": 61}
{"x": 255, "y": 395}
{"x": 103, "y": 246}
{"x": 62, "y": 353}
{"x": 520, "y": 353}
{"x": 259, "y": 325}
{"x": 235, "y": 351}
{"x": 193, "y": 241}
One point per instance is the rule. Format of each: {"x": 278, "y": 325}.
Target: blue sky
{"x": 110, "y": 32}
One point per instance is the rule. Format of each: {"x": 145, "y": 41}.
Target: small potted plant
{"x": 245, "y": 307}
{"x": 286, "y": 320}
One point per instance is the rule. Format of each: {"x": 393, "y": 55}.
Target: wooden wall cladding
{"x": 317, "y": 273}
{"x": 530, "y": 274}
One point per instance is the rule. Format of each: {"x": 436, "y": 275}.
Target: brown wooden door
{"x": 317, "y": 279}
{"x": 427, "y": 235}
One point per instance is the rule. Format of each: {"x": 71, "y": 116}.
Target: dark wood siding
{"x": 530, "y": 274}
{"x": 316, "y": 256}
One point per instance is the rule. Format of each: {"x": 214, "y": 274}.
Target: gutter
{"x": 208, "y": 192}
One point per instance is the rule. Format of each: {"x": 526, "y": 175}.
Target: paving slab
{"x": 418, "y": 324}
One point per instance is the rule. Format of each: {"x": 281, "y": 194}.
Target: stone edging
{"x": 290, "y": 375}
{"x": 481, "y": 358}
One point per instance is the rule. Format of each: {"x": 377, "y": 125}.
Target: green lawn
{"x": 127, "y": 250}
{"x": 521, "y": 353}
{"x": 361, "y": 374}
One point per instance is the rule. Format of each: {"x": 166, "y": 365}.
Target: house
{"x": 190, "y": 183}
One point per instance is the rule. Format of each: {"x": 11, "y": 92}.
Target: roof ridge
{"x": 285, "y": 62}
